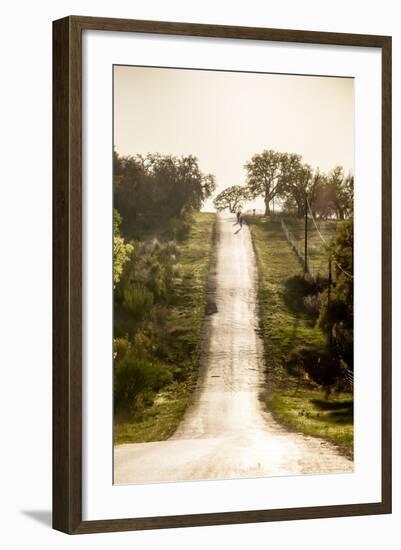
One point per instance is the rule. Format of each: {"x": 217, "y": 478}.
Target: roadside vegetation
{"x": 307, "y": 410}
{"x": 307, "y": 390}
{"x": 306, "y": 304}
{"x": 162, "y": 249}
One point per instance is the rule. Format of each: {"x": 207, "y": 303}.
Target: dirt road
{"x": 225, "y": 432}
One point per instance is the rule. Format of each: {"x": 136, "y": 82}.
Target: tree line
{"x": 288, "y": 179}
{"x": 150, "y": 190}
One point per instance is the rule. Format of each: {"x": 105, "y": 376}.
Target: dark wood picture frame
{"x": 67, "y": 274}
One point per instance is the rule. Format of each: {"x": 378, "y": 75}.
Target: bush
{"x": 337, "y": 317}
{"x": 137, "y": 300}
{"x": 313, "y": 303}
{"x": 322, "y": 366}
{"x": 302, "y": 358}
{"x": 121, "y": 249}
{"x": 120, "y": 348}
{"x": 134, "y": 377}
{"x": 151, "y": 266}
{"x": 296, "y": 289}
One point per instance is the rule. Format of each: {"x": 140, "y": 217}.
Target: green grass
{"x": 282, "y": 328}
{"x": 294, "y": 401}
{"x": 161, "y": 412}
{"x": 317, "y": 255}
{"x": 309, "y": 412}
{"x": 156, "y": 422}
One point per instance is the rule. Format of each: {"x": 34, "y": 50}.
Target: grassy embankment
{"x": 295, "y": 401}
{"x": 159, "y": 417}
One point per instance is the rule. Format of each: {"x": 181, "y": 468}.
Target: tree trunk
{"x": 267, "y": 207}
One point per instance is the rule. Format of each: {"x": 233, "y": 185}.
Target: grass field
{"x": 164, "y": 410}
{"x": 297, "y": 403}
{"x": 317, "y": 256}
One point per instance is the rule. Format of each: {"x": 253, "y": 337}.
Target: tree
{"x": 348, "y": 185}
{"x": 297, "y": 181}
{"x": 231, "y": 198}
{"x": 121, "y": 249}
{"x": 341, "y": 191}
{"x": 178, "y": 184}
{"x": 265, "y": 173}
{"x": 156, "y": 188}
{"x": 323, "y": 205}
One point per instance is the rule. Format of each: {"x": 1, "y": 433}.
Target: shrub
{"x": 322, "y": 366}
{"x": 313, "y": 303}
{"x": 337, "y": 316}
{"x": 151, "y": 265}
{"x": 120, "y": 348}
{"x": 121, "y": 249}
{"x": 296, "y": 289}
{"x": 137, "y": 300}
{"x": 302, "y": 358}
{"x": 135, "y": 376}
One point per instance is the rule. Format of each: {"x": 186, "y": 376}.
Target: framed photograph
{"x": 222, "y": 274}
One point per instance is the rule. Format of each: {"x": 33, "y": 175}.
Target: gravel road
{"x": 226, "y": 433}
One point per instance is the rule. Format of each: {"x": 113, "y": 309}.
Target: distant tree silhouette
{"x": 232, "y": 198}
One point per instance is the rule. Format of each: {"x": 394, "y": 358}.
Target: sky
{"x": 224, "y": 118}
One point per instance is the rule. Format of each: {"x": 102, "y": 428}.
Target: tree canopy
{"x": 232, "y": 198}
{"x": 286, "y": 176}
{"x": 340, "y": 188}
{"x": 265, "y": 173}
{"x": 158, "y": 187}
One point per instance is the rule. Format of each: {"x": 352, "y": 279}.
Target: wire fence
{"x": 348, "y": 375}
{"x": 349, "y": 275}
{"x": 295, "y": 247}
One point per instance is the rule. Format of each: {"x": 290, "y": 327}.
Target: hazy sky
{"x": 225, "y": 118}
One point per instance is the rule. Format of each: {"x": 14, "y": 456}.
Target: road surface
{"x": 226, "y": 433}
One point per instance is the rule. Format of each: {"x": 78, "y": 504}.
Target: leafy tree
{"x": 121, "y": 249}
{"x": 265, "y": 175}
{"x": 300, "y": 181}
{"x": 323, "y": 205}
{"x": 152, "y": 189}
{"x": 231, "y": 198}
{"x": 314, "y": 191}
{"x": 341, "y": 191}
{"x": 328, "y": 195}
{"x": 297, "y": 181}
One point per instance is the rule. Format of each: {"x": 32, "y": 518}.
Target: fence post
{"x": 306, "y": 235}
